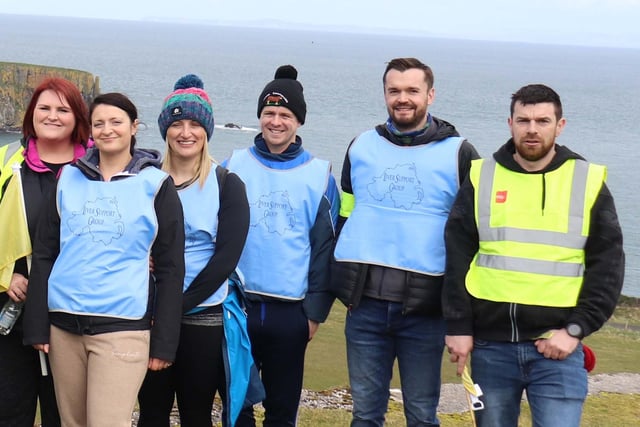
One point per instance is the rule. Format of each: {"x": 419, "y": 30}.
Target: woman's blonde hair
{"x": 203, "y": 165}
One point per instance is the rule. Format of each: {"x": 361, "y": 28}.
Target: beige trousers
{"x": 97, "y": 377}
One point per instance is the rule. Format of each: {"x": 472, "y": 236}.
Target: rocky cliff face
{"x": 18, "y": 81}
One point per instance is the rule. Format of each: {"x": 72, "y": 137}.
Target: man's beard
{"x": 536, "y": 154}
{"x": 407, "y": 122}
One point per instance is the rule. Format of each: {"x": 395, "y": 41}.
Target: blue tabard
{"x": 106, "y": 233}
{"x": 403, "y": 195}
{"x": 200, "y": 206}
{"x": 283, "y": 205}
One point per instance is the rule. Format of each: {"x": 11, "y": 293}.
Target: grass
{"x": 600, "y": 411}
{"x": 617, "y": 349}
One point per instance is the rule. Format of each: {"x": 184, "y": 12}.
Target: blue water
{"x": 341, "y": 74}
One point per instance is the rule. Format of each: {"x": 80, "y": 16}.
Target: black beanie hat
{"x": 284, "y": 91}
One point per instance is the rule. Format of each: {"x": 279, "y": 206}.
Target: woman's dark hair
{"x": 120, "y": 101}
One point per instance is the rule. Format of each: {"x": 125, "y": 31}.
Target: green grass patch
{"x": 603, "y": 410}
{"x": 617, "y": 347}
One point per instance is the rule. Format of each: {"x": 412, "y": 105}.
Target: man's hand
{"x": 313, "y": 328}
{"x": 459, "y": 347}
{"x": 18, "y": 288}
{"x": 158, "y": 364}
{"x": 558, "y": 346}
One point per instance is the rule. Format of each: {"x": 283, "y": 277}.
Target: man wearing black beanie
{"x": 294, "y": 201}
{"x": 284, "y": 91}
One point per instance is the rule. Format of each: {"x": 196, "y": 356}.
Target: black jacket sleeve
{"x": 168, "y": 255}
{"x": 233, "y": 227}
{"x": 461, "y": 242}
{"x": 604, "y": 267}
{"x": 466, "y": 154}
{"x": 318, "y": 300}
{"x": 46, "y": 247}
{"x": 345, "y": 186}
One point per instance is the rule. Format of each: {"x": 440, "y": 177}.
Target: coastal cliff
{"x": 18, "y": 81}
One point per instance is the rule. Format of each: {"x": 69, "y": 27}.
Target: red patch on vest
{"x": 501, "y": 196}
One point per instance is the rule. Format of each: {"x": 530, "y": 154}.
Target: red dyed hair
{"x": 72, "y": 95}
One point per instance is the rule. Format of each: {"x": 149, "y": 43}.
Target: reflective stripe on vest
{"x": 573, "y": 238}
{"x": 10, "y": 154}
{"x": 533, "y": 259}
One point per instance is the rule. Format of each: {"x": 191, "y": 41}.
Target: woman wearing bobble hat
{"x": 216, "y": 214}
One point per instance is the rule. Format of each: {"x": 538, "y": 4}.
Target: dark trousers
{"x": 279, "y": 333}
{"x": 22, "y": 384}
{"x": 195, "y": 377}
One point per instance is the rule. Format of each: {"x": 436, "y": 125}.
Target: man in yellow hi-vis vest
{"x": 534, "y": 264}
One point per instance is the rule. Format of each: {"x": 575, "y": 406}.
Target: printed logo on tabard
{"x": 99, "y": 218}
{"x": 397, "y": 186}
{"x": 274, "y": 212}
{"x": 177, "y": 111}
{"x": 501, "y": 196}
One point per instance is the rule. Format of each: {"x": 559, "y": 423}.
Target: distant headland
{"x": 19, "y": 82}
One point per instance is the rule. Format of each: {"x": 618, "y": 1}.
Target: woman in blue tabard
{"x": 214, "y": 354}
{"x": 91, "y": 295}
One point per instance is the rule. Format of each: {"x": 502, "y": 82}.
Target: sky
{"x": 614, "y": 23}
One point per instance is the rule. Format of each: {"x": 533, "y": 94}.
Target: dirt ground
{"x": 452, "y": 396}
{"x": 453, "y": 399}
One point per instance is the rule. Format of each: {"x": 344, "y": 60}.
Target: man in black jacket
{"x": 534, "y": 264}
{"x": 398, "y": 183}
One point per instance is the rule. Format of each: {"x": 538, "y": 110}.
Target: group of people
{"x": 160, "y": 277}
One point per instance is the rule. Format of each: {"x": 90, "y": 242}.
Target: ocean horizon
{"x": 342, "y": 78}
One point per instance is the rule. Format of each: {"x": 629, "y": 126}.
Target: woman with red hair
{"x": 55, "y": 132}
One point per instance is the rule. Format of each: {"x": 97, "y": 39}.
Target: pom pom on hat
{"x": 188, "y": 101}
{"x": 190, "y": 80}
{"x": 286, "y": 72}
{"x": 284, "y": 91}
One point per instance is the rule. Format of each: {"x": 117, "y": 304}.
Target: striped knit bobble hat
{"x": 284, "y": 91}
{"x": 187, "y": 101}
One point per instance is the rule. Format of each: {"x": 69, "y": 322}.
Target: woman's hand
{"x": 42, "y": 347}
{"x": 18, "y": 288}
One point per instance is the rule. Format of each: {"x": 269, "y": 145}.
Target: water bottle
{"x": 8, "y": 316}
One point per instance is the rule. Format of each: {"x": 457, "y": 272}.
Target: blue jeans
{"x": 556, "y": 389}
{"x": 377, "y": 333}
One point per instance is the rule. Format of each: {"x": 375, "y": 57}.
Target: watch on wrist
{"x": 574, "y": 330}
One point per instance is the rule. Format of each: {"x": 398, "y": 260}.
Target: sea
{"x": 342, "y": 78}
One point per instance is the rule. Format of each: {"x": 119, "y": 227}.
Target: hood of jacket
{"x": 293, "y": 150}
{"x": 142, "y": 158}
{"x": 436, "y": 130}
{"x": 504, "y": 156}
{"x": 32, "y": 157}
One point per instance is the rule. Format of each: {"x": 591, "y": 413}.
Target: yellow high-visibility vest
{"x": 532, "y": 231}
{"x": 9, "y": 154}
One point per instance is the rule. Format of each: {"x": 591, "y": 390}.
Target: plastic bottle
{"x": 8, "y": 316}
